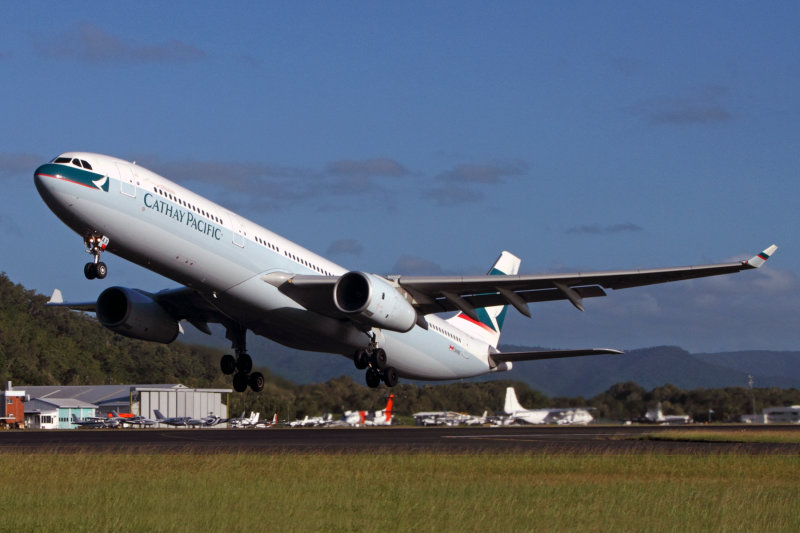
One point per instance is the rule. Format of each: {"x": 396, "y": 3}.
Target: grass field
{"x": 418, "y": 492}
{"x": 789, "y": 436}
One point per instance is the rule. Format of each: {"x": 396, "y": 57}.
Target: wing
{"x": 182, "y": 304}
{"x": 437, "y": 294}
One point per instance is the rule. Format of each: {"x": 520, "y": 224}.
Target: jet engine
{"x": 372, "y": 300}
{"x": 135, "y": 314}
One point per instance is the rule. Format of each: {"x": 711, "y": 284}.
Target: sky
{"x": 426, "y": 137}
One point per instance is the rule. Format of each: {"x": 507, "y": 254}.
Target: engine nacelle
{"x": 134, "y": 314}
{"x": 374, "y": 301}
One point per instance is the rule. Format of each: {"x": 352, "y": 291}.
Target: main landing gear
{"x": 241, "y": 365}
{"x": 374, "y": 360}
{"x": 95, "y": 245}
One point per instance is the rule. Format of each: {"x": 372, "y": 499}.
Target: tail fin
{"x": 512, "y": 404}
{"x": 274, "y": 419}
{"x": 388, "y": 410}
{"x": 491, "y": 318}
{"x": 159, "y": 415}
{"x": 254, "y": 417}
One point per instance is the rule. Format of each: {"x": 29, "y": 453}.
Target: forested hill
{"x": 47, "y": 346}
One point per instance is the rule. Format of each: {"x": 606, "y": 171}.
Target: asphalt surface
{"x": 514, "y": 439}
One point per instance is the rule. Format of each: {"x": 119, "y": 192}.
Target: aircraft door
{"x": 127, "y": 185}
{"x": 238, "y": 235}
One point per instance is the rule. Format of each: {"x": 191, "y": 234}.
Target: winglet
{"x": 758, "y": 260}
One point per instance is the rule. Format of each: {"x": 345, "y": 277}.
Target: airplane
{"x": 315, "y": 421}
{"x": 243, "y": 276}
{"x": 94, "y": 422}
{"x": 270, "y": 424}
{"x": 176, "y": 420}
{"x": 139, "y": 420}
{"x": 657, "y": 416}
{"x": 448, "y": 418}
{"x": 365, "y": 418}
{"x": 244, "y": 422}
{"x": 517, "y": 413}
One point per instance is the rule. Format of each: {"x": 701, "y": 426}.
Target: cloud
{"x": 448, "y": 196}
{"x": 702, "y": 106}
{"x": 416, "y": 266}
{"x": 15, "y": 165}
{"x": 484, "y": 174}
{"x": 597, "y": 229}
{"x": 376, "y": 166}
{"x": 237, "y": 176}
{"x": 345, "y": 246}
{"x": 88, "y": 43}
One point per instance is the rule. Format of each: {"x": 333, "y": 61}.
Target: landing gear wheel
{"x": 381, "y": 361}
{"x": 390, "y": 376}
{"x": 256, "y": 381}
{"x": 240, "y": 382}
{"x": 244, "y": 364}
{"x": 373, "y": 378}
{"x": 90, "y": 271}
{"x": 227, "y": 364}
{"x": 360, "y": 359}
{"x": 101, "y": 270}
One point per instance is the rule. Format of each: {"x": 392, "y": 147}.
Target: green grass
{"x": 726, "y": 435}
{"x": 412, "y": 492}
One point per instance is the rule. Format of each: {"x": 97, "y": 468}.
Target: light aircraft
{"x": 365, "y": 418}
{"x": 139, "y": 420}
{"x": 657, "y": 416}
{"x": 94, "y": 422}
{"x": 517, "y": 413}
{"x": 270, "y": 424}
{"x": 247, "y": 278}
{"x": 176, "y": 420}
{"x": 448, "y": 418}
{"x": 244, "y": 422}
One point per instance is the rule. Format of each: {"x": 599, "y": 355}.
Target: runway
{"x": 519, "y": 439}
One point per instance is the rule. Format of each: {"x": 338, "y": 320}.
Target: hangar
{"x": 173, "y": 400}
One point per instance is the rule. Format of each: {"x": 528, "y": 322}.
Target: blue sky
{"x": 425, "y": 137}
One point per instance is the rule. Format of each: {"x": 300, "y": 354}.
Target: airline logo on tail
{"x": 490, "y": 319}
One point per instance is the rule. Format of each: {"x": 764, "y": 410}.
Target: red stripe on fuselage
{"x": 481, "y": 324}
{"x": 62, "y": 178}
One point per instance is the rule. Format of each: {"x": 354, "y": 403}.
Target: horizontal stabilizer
{"x": 57, "y": 300}
{"x": 503, "y": 357}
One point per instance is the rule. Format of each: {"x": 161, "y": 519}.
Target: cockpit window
{"x": 86, "y": 165}
{"x": 62, "y": 160}
{"x": 76, "y": 162}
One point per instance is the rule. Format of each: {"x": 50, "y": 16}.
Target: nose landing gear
{"x": 95, "y": 245}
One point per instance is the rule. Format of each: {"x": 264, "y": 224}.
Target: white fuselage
{"x": 170, "y": 230}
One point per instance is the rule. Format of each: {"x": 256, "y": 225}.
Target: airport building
{"x": 56, "y": 413}
{"x": 12, "y": 412}
{"x": 775, "y": 415}
{"x": 52, "y": 407}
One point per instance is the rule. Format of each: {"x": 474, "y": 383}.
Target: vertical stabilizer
{"x": 388, "y": 410}
{"x": 490, "y": 319}
{"x": 512, "y": 404}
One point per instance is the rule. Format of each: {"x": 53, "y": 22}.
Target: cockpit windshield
{"x": 80, "y": 163}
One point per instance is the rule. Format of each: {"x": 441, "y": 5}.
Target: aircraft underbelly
{"x": 419, "y": 354}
